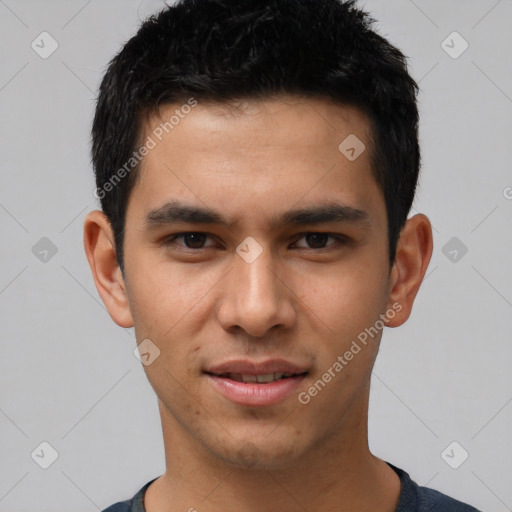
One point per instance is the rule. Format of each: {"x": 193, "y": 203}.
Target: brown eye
{"x": 194, "y": 240}
{"x": 319, "y": 241}
{"x": 191, "y": 240}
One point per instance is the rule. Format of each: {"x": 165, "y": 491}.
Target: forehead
{"x": 285, "y": 121}
{"x": 279, "y": 150}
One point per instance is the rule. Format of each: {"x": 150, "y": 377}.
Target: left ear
{"x": 101, "y": 254}
{"x": 413, "y": 252}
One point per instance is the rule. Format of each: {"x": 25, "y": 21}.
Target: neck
{"x": 340, "y": 475}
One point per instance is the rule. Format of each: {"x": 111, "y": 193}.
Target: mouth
{"x": 263, "y": 378}
{"x": 256, "y": 384}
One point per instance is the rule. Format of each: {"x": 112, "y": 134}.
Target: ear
{"x": 101, "y": 254}
{"x": 413, "y": 253}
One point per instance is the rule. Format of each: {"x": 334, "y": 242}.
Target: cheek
{"x": 171, "y": 307}
{"x": 161, "y": 296}
{"x": 346, "y": 300}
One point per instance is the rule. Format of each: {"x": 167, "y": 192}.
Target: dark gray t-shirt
{"x": 413, "y": 498}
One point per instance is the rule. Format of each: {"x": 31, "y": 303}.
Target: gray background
{"x": 68, "y": 375}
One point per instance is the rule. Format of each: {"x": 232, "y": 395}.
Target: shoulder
{"x": 435, "y": 501}
{"x": 414, "y": 498}
{"x": 135, "y": 504}
{"x": 122, "y": 506}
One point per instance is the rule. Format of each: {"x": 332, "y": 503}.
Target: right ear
{"x": 101, "y": 254}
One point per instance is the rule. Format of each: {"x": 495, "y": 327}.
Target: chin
{"x": 260, "y": 454}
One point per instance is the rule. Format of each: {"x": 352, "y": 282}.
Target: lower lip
{"x": 254, "y": 394}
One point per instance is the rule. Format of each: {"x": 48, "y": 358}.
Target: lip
{"x": 250, "y": 394}
{"x": 256, "y": 367}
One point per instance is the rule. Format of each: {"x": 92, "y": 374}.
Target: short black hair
{"x": 225, "y": 50}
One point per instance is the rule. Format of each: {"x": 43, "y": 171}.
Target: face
{"x": 255, "y": 248}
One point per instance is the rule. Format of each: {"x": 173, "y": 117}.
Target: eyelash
{"x": 340, "y": 240}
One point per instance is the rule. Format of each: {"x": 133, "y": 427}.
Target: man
{"x": 256, "y": 162}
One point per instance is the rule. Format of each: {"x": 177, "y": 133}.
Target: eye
{"x": 318, "y": 241}
{"x": 191, "y": 239}
{"x": 196, "y": 240}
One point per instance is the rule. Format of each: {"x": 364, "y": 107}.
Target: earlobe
{"x": 413, "y": 253}
{"x": 100, "y": 250}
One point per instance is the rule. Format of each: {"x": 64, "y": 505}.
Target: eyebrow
{"x": 176, "y": 211}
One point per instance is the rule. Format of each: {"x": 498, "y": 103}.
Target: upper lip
{"x": 247, "y": 367}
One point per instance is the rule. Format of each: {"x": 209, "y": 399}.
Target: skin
{"x": 203, "y": 306}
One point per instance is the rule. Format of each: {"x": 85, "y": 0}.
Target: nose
{"x": 255, "y": 298}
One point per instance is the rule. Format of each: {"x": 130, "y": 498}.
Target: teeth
{"x": 263, "y": 379}
{"x": 267, "y": 377}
